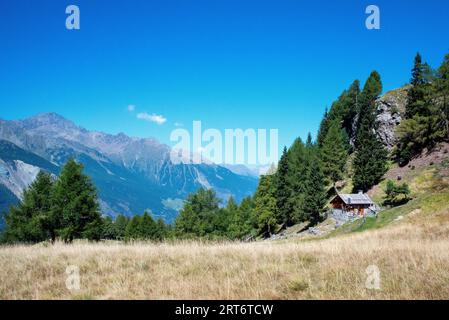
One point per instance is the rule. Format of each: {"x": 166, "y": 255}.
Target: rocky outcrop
{"x": 390, "y": 109}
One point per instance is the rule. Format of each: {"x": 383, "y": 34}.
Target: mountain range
{"x": 131, "y": 174}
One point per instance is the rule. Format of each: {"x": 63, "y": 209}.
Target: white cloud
{"x": 159, "y": 119}
{"x": 178, "y": 124}
{"x": 131, "y": 107}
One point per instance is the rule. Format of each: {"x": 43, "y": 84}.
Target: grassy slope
{"x": 428, "y": 178}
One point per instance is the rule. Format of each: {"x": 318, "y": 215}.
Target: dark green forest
{"x": 294, "y": 191}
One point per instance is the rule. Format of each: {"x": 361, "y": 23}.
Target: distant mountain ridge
{"x": 131, "y": 174}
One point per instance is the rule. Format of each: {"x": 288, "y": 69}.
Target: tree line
{"x": 426, "y": 120}
{"x": 67, "y": 208}
{"x": 347, "y": 147}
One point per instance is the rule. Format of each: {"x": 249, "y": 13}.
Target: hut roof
{"x": 354, "y": 198}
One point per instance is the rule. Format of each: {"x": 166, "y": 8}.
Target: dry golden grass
{"x": 413, "y": 262}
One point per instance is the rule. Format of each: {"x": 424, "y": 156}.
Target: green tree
{"x": 333, "y": 153}
{"x": 396, "y": 194}
{"x": 265, "y": 205}
{"x": 442, "y": 97}
{"x": 161, "y": 230}
{"x": 416, "y": 94}
{"x": 132, "y": 231}
{"x": 426, "y": 120}
{"x": 242, "y": 220}
{"x": 120, "y": 224}
{"x": 109, "y": 230}
{"x": 27, "y": 222}
{"x": 370, "y": 161}
{"x": 74, "y": 208}
{"x": 198, "y": 215}
{"x": 343, "y": 111}
{"x": 315, "y": 193}
{"x": 283, "y": 191}
{"x": 147, "y": 227}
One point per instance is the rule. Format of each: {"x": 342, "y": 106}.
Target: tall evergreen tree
{"x": 298, "y": 162}
{"x": 333, "y": 153}
{"x": 132, "y": 231}
{"x": 315, "y": 193}
{"x": 147, "y": 227}
{"x": 120, "y": 224}
{"x": 283, "y": 191}
{"x": 322, "y": 130}
{"x": 370, "y": 162}
{"x": 265, "y": 205}
{"x": 27, "y": 222}
{"x": 424, "y": 125}
{"x": 198, "y": 215}
{"x": 442, "y": 97}
{"x": 74, "y": 207}
{"x": 416, "y": 94}
{"x": 344, "y": 111}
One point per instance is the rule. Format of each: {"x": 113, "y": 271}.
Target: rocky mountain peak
{"x": 49, "y": 119}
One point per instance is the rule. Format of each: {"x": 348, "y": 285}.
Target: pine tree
{"x": 74, "y": 209}
{"x": 370, "y": 162}
{"x": 109, "y": 229}
{"x": 265, "y": 205}
{"x": 283, "y": 191}
{"x": 416, "y": 94}
{"x": 442, "y": 97}
{"x": 324, "y": 126}
{"x": 27, "y": 222}
{"x": 344, "y": 111}
{"x": 120, "y": 224}
{"x": 147, "y": 227}
{"x": 161, "y": 230}
{"x": 132, "y": 231}
{"x": 234, "y": 222}
{"x": 315, "y": 193}
{"x": 425, "y": 122}
{"x": 333, "y": 153}
{"x": 198, "y": 216}
{"x": 298, "y": 161}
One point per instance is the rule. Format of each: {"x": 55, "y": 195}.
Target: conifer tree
{"x": 315, "y": 193}
{"x": 322, "y": 130}
{"x": 27, "y": 222}
{"x": 416, "y": 94}
{"x": 442, "y": 96}
{"x": 120, "y": 224}
{"x": 147, "y": 227}
{"x": 333, "y": 153}
{"x": 265, "y": 205}
{"x": 74, "y": 209}
{"x": 370, "y": 162}
{"x": 283, "y": 191}
{"x": 132, "y": 231}
{"x": 161, "y": 230}
{"x": 198, "y": 215}
{"x": 298, "y": 162}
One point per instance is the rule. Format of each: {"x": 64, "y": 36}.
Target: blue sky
{"x": 231, "y": 64}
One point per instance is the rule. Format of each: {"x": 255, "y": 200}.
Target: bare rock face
{"x": 390, "y": 110}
